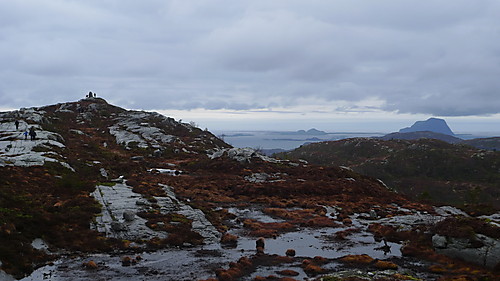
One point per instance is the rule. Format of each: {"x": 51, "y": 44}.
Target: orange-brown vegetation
{"x": 235, "y": 270}
{"x": 390, "y": 233}
{"x": 321, "y": 222}
{"x": 400, "y": 276}
{"x": 463, "y": 227}
{"x": 90, "y": 265}
{"x": 383, "y": 265}
{"x": 320, "y": 260}
{"x": 229, "y": 239}
{"x": 267, "y": 230}
{"x": 357, "y": 259}
{"x": 287, "y": 279}
{"x": 313, "y": 269}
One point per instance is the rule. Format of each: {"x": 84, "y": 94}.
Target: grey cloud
{"x": 434, "y": 57}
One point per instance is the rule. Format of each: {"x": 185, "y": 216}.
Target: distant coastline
{"x": 270, "y": 140}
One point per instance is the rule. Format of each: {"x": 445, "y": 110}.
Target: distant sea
{"x": 291, "y": 140}
{"x": 283, "y": 140}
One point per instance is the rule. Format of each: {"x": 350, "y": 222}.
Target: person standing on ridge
{"x": 32, "y": 133}
{"x": 17, "y": 124}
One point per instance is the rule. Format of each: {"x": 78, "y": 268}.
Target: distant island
{"x": 435, "y": 125}
{"x": 313, "y": 132}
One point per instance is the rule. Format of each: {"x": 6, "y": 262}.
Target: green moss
{"x": 180, "y": 218}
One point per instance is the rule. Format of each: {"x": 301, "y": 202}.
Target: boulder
{"x": 137, "y": 158}
{"x": 129, "y": 215}
{"x": 439, "y": 241}
{"x": 482, "y": 250}
{"x": 118, "y": 226}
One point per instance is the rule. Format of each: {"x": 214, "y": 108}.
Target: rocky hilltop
{"x": 107, "y": 193}
{"x": 432, "y": 125}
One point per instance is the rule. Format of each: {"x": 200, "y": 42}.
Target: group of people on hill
{"x": 31, "y": 132}
{"x": 91, "y": 95}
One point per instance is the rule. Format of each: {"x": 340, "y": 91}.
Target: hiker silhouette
{"x": 32, "y": 133}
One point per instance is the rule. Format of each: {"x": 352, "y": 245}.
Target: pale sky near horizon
{"x": 261, "y": 64}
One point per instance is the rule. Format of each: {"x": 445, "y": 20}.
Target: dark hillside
{"x": 485, "y": 143}
{"x": 421, "y": 135}
{"x": 423, "y": 169}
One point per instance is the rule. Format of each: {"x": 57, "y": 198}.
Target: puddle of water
{"x": 178, "y": 264}
{"x": 311, "y": 243}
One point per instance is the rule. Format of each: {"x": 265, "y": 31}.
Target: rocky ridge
{"x": 127, "y": 190}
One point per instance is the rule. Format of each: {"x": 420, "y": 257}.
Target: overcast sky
{"x": 267, "y": 63}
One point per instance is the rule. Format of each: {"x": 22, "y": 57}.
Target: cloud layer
{"x": 437, "y": 57}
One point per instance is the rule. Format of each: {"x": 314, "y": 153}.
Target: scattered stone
{"x": 157, "y": 153}
{"x": 39, "y": 244}
{"x": 142, "y": 202}
{"x": 257, "y": 177}
{"x": 103, "y": 172}
{"x": 290, "y": 253}
{"x": 439, "y": 241}
{"x": 118, "y": 226}
{"x": 126, "y": 261}
{"x": 137, "y": 158}
{"x": 260, "y": 243}
{"x": 128, "y": 215}
{"x": 260, "y": 250}
{"x": 120, "y": 179}
{"x": 165, "y": 171}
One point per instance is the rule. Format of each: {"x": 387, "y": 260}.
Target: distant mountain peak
{"x": 432, "y": 124}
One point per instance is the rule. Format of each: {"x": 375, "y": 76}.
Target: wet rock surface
{"x": 120, "y": 206}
